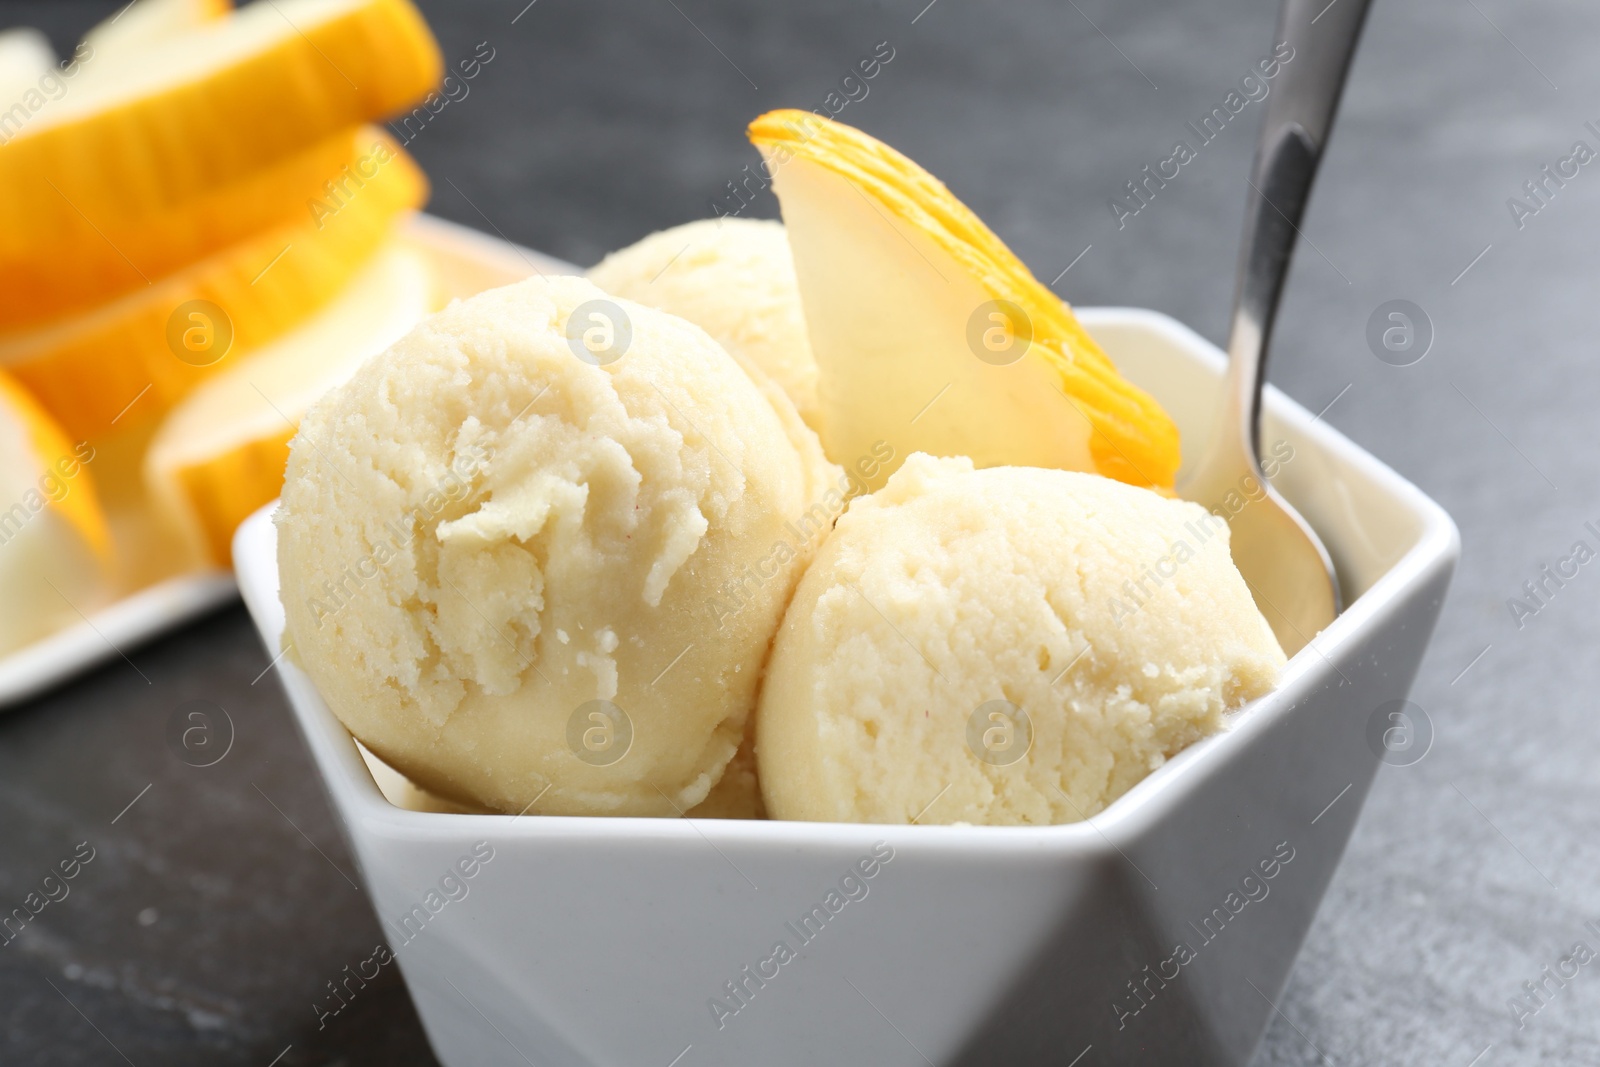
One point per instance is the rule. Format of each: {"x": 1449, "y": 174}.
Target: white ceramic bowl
{"x": 1160, "y": 931}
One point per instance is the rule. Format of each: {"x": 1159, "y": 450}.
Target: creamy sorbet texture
{"x": 482, "y": 534}
{"x": 735, "y": 279}
{"x": 953, "y": 596}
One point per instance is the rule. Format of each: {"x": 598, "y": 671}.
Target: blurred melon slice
{"x": 131, "y": 359}
{"x": 154, "y": 126}
{"x": 25, "y": 57}
{"x": 147, "y": 22}
{"x": 55, "y": 551}
{"x": 930, "y": 335}
{"x": 117, "y": 256}
{"x": 220, "y": 454}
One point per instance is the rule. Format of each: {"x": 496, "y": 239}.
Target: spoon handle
{"x": 1299, "y": 115}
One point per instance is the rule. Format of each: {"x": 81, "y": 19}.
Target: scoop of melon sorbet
{"x": 1012, "y": 645}
{"x": 532, "y": 555}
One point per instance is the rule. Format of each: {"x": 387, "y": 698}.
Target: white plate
{"x": 468, "y": 262}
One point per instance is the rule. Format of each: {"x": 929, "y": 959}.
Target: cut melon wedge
{"x": 220, "y": 454}
{"x": 115, "y": 257}
{"x": 55, "y": 549}
{"x": 165, "y": 123}
{"x": 120, "y": 363}
{"x": 930, "y": 335}
{"x": 149, "y": 22}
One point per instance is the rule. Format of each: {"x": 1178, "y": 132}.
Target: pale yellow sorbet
{"x": 1113, "y": 617}
{"x": 734, "y": 278}
{"x": 481, "y": 533}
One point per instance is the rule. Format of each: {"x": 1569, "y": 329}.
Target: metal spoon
{"x": 1286, "y": 566}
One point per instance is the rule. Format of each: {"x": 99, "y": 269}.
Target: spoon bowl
{"x": 1281, "y": 558}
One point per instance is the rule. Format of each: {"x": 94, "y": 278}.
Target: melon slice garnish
{"x": 931, "y": 335}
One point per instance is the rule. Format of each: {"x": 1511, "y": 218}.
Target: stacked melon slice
{"x": 195, "y": 195}
{"x": 220, "y": 454}
{"x": 55, "y": 549}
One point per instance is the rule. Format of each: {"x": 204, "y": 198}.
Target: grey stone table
{"x": 219, "y": 903}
